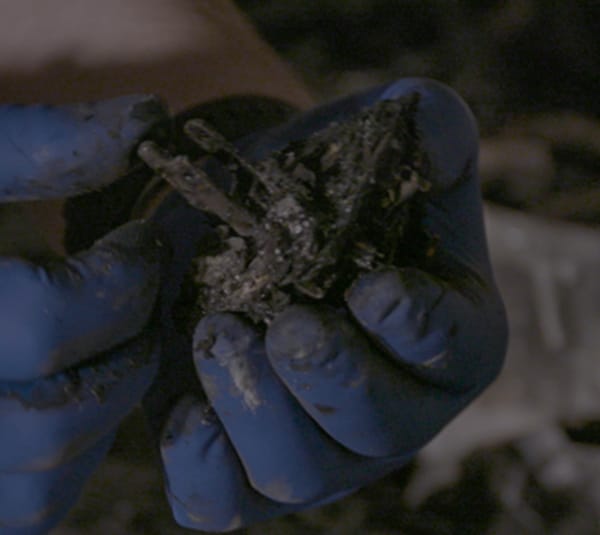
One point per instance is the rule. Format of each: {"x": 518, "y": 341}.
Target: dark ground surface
{"x": 530, "y": 70}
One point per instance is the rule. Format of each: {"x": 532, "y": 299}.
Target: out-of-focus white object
{"x": 548, "y": 272}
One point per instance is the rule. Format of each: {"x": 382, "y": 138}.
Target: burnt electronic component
{"x": 303, "y": 222}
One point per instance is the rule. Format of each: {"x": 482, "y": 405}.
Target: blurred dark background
{"x": 504, "y": 57}
{"x": 530, "y": 69}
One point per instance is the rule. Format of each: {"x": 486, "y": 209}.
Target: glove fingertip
{"x": 298, "y": 338}
{"x": 188, "y": 417}
{"x": 129, "y": 116}
{"x": 447, "y": 126}
{"x": 221, "y": 336}
{"x": 61, "y": 151}
{"x": 203, "y": 476}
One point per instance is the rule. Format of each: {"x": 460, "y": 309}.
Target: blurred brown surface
{"x": 87, "y": 50}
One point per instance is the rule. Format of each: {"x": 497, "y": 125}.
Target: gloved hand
{"x": 328, "y": 399}
{"x": 74, "y": 357}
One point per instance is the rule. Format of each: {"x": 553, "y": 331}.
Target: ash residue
{"x": 305, "y": 221}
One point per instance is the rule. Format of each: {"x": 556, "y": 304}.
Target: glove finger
{"x": 45, "y": 422}
{"x": 54, "y": 317}
{"x": 448, "y": 133}
{"x": 453, "y": 339}
{"x": 365, "y": 401}
{"x": 206, "y": 485}
{"x": 57, "y": 151}
{"x": 301, "y": 463}
{"x": 446, "y": 125}
{"x": 205, "y": 482}
{"x": 32, "y": 503}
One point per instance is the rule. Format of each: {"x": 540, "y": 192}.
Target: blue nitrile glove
{"x": 74, "y": 356}
{"x": 330, "y": 400}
